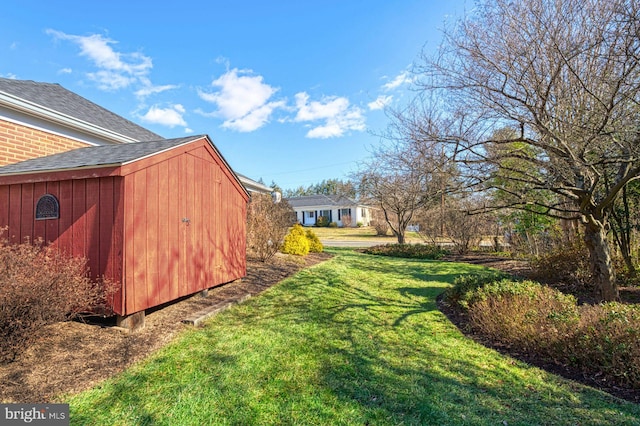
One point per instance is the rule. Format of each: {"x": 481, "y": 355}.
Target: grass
{"x": 356, "y": 340}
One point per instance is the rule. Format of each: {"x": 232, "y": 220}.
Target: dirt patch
{"x": 74, "y": 356}
{"x": 520, "y": 268}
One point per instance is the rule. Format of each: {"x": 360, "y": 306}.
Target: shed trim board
{"x": 164, "y": 225}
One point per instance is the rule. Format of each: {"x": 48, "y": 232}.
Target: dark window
{"x": 47, "y": 208}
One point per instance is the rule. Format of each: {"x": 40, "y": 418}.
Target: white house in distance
{"x": 342, "y": 210}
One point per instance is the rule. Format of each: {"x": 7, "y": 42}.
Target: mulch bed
{"x": 74, "y": 356}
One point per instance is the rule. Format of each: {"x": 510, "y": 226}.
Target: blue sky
{"x": 290, "y": 91}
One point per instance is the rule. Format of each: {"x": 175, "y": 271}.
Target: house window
{"x": 363, "y": 212}
{"x": 47, "y": 207}
{"x": 310, "y": 215}
{"x": 325, "y": 213}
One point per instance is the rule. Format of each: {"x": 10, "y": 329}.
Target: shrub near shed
{"x": 40, "y": 286}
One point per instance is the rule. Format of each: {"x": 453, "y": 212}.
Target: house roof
{"x": 254, "y": 186}
{"x": 95, "y": 156}
{"x": 321, "y": 201}
{"x": 53, "y": 101}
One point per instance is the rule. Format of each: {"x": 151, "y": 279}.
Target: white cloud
{"x": 381, "y": 102}
{"x": 65, "y": 71}
{"x": 149, "y": 89}
{"x": 116, "y": 70}
{"x": 403, "y": 78}
{"x": 242, "y": 100}
{"x": 111, "y": 80}
{"x": 336, "y": 113}
{"x": 171, "y": 116}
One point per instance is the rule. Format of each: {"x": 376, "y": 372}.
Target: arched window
{"x": 47, "y": 207}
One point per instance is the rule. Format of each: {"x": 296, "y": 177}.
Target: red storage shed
{"x": 164, "y": 219}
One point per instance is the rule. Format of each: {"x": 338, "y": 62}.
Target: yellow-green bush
{"x": 315, "y": 246}
{"x": 296, "y": 242}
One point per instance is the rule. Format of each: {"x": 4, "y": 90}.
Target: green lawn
{"x": 356, "y": 340}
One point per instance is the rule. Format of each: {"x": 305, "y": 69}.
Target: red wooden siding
{"x": 163, "y": 227}
{"x": 86, "y": 226}
{"x": 178, "y": 224}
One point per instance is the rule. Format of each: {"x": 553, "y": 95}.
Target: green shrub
{"x": 464, "y": 286}
{"x": 525, "y": 314}
{"x": 333, "y": 225}
{"x": 322, "y": 222}
{"x": 411, "y": 251}
{"x": 296, "y": 242}
{"x": 607, "y": 342}
{"x": 601, "y": 340}
{"x": 315, "y": 246}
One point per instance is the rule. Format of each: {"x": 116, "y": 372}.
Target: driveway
{"x": 350, "y": 243}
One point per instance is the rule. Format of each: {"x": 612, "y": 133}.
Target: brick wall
{"x": 18, "y": 143}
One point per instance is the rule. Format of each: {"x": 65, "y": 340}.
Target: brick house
{"x": 38, "y": 119}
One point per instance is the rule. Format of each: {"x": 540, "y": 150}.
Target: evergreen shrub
{"x": 296, "y": 242}
{"x": 315, "y": 246}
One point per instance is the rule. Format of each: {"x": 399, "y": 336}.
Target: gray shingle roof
{"x": 57, "y": 98}
{"x": 95, "y": 156}
{"x": 320, "y": 200}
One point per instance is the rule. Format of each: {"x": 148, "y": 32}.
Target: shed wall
{"x": 90, "y": 223}
{"x": 163, "y": 227}
{"x": 184, "y": 228}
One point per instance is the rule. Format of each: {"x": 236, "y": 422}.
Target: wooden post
{"x": 131, "y": 322}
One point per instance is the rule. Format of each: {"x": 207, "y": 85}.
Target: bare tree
{"x": 402, "y": 178}
{"x": 565, "y": 75}
{"x": 407, "y": 172}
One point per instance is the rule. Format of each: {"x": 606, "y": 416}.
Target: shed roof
{"x": 95, "y": 156}
{"x": 60, "y": 100}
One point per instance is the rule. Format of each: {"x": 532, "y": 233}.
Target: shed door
{"x": 196, "y": 224}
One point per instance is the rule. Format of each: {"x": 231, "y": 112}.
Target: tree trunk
{"x": 604, "y": 279}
